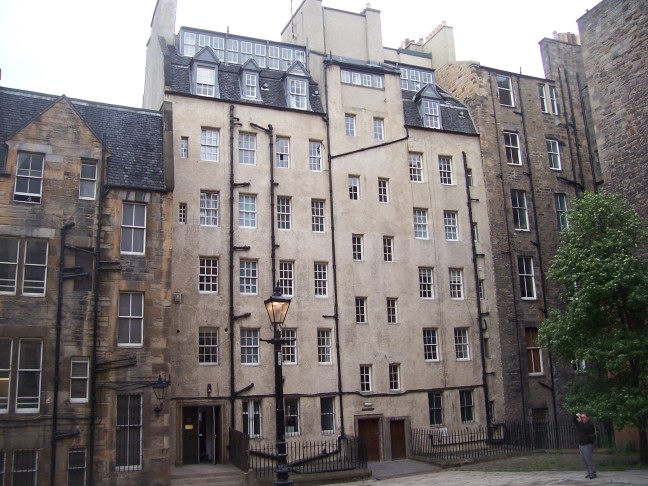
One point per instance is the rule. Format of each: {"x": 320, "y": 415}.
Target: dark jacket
{"x": 586, "y": 434}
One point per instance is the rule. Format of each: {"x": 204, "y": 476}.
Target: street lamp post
{"x": 277, "y": 307}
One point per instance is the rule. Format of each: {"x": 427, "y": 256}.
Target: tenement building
{"x": 535, "y": 162}
{"x": 84, "y": 289}
{"x": 341, "y": 172}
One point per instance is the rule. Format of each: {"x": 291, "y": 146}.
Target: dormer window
{"x": 205, "y": 81}
{"x": 296, "y": 86}
{"x": 250, "y": 88}
{"x": 298, "y": 90}
{"x": 431, "y": 116}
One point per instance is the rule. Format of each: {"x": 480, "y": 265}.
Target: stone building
{"x": 536, "y": 160}
{"x": 339, "y": 169}
{"x": 614, "y": 41}
{"x": 84, "y": 290}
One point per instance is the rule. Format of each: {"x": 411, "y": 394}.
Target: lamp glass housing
{"x": 277, "y": 307}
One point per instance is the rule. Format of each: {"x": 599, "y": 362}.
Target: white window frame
{"x": 208, "y": 346}
{"x": 512, "y": 148}
{"x": 462, "y": 344}
{"x": 282, "y": 145}
{"x": 318, "y": 221}
{"x": 553, "y": 154}
{"x": 542, "y": 95}
{"x": 250, "y": 347}
{"x": 291, "y": 416}
{"x": 324, "y": 346}
{"x": 130, "y": 320}
{"x": 189, "y": 44}
{"x": 421, "y": 230}
{"x": 505, "y": 90}
{"x": 392, "y": 310}
{"x": 209, "y": 144}
{"x": 205, "y": 81}
{"x": 327, "y": 415}
{"x": 208, "y": 275}
{"x": 357, "y": 247}
{"x": 431, "y": 344}
{"x": 184, "y": 147}
{"x": 248, "y": 277}
{"x": 34, "y": 282}
{"x": 88, "y": 179}
{"x": 28, "y": 404}
{"x": 354, "y": 187}
{"x": 9, "y": 264}
{"x": 250, "y": 85}
{"x": 553, "y": 100}
{"x": 252, "y": 418}
{"x": 31, "y": 178}
{"x": 416, "y": 167}
{"x": 320, "y": 277}
{"x": 284, "y": 213}
{"x": 394, "y": 377}
{"x": 455, "y": 276}
{"x": 79, "y": 375}
{"x": 133, "y": 229}
{"x": 125, "y": 429}
{"x": 5, "y": 373}
{"x": 365, "y": 379}
{"x": 315, "y": 156}
{"x": 361, "y": 310}
{"x": 388, "y": 249}
{"x": 451, "y": 225}
{"x": 535, "y": 366}
{"x": 287, "y": 277}
{"x": 379, "y": 128}
{"x": 247, "y": 148}
{"x": 561, "y": 204}
{"x": 520, "y": 210}
{"x": 383, "y": 190}
{"x": 209, "y": 202}
{"x": 247, "y": 214}
{"x": 289, "y": 348}
{"x": 426, "y": 283}
{"x": 526, "y": 277}
{"x": 182, "y": 213}
{"x": 76, "y": 465}
{"x": 431, "y": 114}
{"x": 349, "y": 125}
{"x": 446, "y": 176}
{"x": 298, "y": 89}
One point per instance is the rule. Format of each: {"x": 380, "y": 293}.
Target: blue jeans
{"x": 587, "y": 454}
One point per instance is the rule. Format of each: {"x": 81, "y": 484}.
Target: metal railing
{"x": 308, "y": 457}
{"x": 501, "y": 438}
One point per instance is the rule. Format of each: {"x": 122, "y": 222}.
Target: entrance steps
{"x": 207, "y": 475}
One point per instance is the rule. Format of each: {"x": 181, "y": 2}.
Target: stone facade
{"x": 614, "y": 42}
{"x": 80, "y": 363}
{"x": 521, "y": 119}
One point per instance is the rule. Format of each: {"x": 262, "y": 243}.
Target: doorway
{"x": 398, "y": 446}
{"x": 201, "y": 433}
{"x": 369, "y": 433}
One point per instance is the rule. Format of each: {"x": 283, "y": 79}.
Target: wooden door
{"x": 190, "y": 453}
{"x": 398, "y": 448}
{"x": 369, "y": 433}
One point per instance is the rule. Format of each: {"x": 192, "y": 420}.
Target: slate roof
{"x": 133, "y": 136}
{"x": 177, "y": 73}
{"x": 455, "y": 117}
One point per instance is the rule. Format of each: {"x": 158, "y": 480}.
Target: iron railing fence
{"x": 502, "y": 438}
{"x": 308, "y": 457}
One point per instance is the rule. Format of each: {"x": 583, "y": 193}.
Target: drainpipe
{"x": 588, "y": 139}
{"x": 95, "y": 312}
{"x": 469, "y": 201}
{"x": 538, "y": 246}
{"x": 57, "y": 352}
{"x": 273, "y": 242}
{"x": 234, "y": 122}
{"x": 564, "y": 86}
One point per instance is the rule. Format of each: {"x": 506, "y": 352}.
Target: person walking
{"x": 586, "y": 435}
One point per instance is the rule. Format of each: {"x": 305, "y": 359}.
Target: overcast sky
{"x": 96, "y": 49}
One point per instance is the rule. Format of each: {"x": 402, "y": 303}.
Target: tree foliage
{"x": 602, "y": 270}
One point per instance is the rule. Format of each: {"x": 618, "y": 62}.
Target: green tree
{"x": 602, "y": 270}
